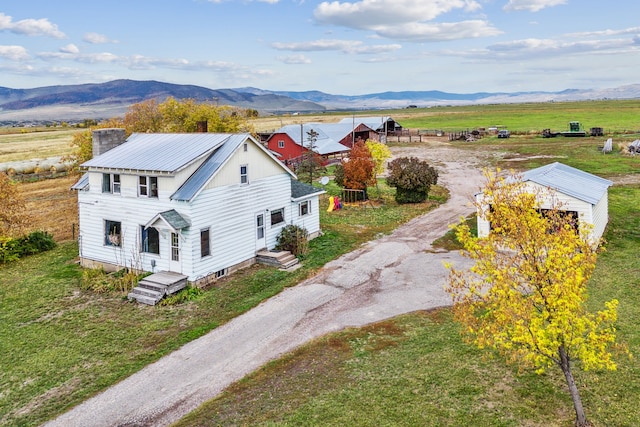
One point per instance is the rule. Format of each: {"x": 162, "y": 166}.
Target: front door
{"x": 174, "y": 253}
{"x": 261, "y": 241}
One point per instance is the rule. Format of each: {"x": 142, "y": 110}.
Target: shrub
{"x": 412, "y": 178}
{"x": 294, "y": 239}
{"x": 36, "y": 242}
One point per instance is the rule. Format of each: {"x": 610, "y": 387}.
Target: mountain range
{"x": 111, "y": 99}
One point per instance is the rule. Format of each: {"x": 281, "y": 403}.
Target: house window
{"x": 204, "y": 243}
{"x": 150, "y": 239}
{"x": 246, "y": 147}
{"x": 244, "y": 174}
{"x": 112, "y": 233}
{"x": 277, "y": 216}
{"x": 175, "y": 247}
{"x": 148, "y": 186}
{"x": 110, "y": 183}
{"x": 115, "y": 183}
{"x": 304, "y": 208}
{"x": 281, "y": 144}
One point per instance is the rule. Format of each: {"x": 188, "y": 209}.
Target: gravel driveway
{"x": 387, "y": 277}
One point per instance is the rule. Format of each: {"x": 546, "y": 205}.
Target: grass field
{"x": 61, "y": 344}
{"x": 35, "y": 144}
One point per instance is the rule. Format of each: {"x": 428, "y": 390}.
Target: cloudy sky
{"x": 340, "y": 47}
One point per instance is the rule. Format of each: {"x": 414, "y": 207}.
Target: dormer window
{"x": 148, "y": 186}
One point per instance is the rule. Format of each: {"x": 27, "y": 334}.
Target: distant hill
{"x": 105, "y": 100}
{"x": 111, "y": 99}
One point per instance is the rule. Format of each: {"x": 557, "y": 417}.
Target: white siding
{"x": 260, "y": 166}
{"x": 597, "y": 217}
{"x": 311, "y": 221}
{"x": 229, "y": 212}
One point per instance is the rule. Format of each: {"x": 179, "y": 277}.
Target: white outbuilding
{"x": 579, "y": 193}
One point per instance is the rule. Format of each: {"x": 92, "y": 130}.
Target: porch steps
{"x": 153, "y": 288}
{"x": 284, "y": 260}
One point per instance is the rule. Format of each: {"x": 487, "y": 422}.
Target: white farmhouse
{"x": 197, "y": 204}
{"x": 581, "y": 194}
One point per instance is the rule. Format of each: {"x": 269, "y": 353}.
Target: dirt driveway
{"x": 387, "y": 277}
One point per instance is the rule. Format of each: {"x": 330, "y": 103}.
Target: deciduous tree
{"x": 14, "y": 218}
{"x": 525, "y": 296}
{"x": 358, "y": 170}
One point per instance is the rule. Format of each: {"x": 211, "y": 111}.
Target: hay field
{"x": 35, "y": 144}
{"x": 52, "y": 205}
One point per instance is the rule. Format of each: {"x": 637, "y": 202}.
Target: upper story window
{"x": 204, "y": 243}
{"x": 111, "y": 183}
{"x": 244, "y": 174}
{"x": 281, "y": 144}
{"x": 148, "y": 186}
{"x": 246, "y": 147}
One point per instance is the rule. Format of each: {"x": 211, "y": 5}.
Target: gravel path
{"x": 387, "y": 277}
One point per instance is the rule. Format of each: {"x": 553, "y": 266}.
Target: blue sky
{"x": 339, "y": 47}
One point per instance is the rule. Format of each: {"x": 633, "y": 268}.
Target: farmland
{"x": 405, "y": 371}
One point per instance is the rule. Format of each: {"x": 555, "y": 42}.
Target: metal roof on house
{"x": 171, "y": 218}
{"x": 571, "y": 181}
{"x": 192, "y": 186}
{"x": 82, "y": 184}
{"x": 325, "y": 143}
{"x": 158, "y": 152}
{"x": 301, "y": 190}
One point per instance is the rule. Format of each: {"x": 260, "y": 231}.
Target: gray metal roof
{"x": 300, "y": 190}
{"x": 158, "y": 152}
{"x": 375, "y": 123}
{"x": 325, "y": 143}
{"x": 82, "y": 184}
{"x": 172, "y": 218}
{"x": 200, "y": 177}
{"x": 571, "y": 181}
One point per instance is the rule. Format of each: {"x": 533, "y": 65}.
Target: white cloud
{"x": 14, "y": 53}
{"x": 30, "y": 27}
{"x": 345, "y": 46}
{"x": 532, "y": 5}
{"x": 294, "y": 59}
{"x": 416, "y": 31}
{"x": 367, "y": 13}
{"x": 95, "y": 38}
{"x": 70, "y": 48}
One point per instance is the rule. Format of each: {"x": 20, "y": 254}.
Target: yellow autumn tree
{"x": 14, "y": 218}
{"x": 525, "y": 295}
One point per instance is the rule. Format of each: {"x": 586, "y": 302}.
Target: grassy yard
{"x": 61, "y": 344}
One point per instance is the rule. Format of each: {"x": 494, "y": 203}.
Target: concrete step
{"x": 145, "y": 296}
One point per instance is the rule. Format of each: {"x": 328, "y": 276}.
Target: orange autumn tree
{"x": 14, "y": 218}
{"x": 359, "y": 170}
{"x": 525, "y": 296}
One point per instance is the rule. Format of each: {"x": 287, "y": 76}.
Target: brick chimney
{"x": 106, "y": 139}
{"x": 202, "y": 126}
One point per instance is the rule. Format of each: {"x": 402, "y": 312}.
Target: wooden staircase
{"x": 284, "y": 260}
{"x": 153, "y": 288}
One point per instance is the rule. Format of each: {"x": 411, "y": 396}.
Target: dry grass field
{"x": 35, "y": 144}
{"x": 53, "y": 205}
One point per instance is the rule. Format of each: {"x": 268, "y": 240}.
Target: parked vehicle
{"x": 503, "y": 133}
